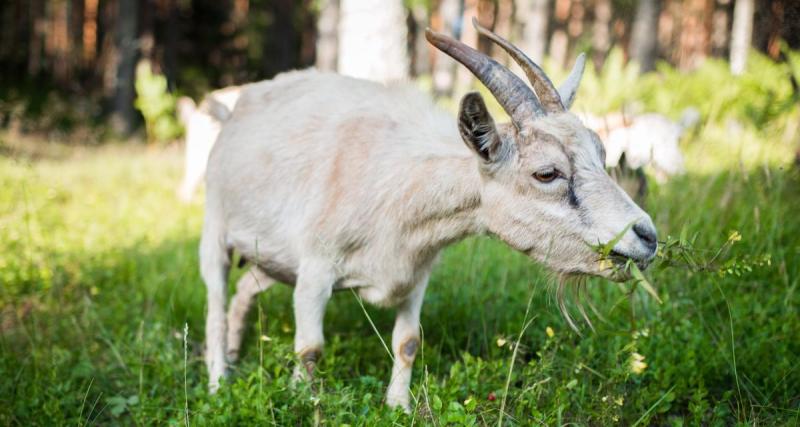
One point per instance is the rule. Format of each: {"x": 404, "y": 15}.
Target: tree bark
{"x": 37, "y": 36}
{"x": 89, "y": 32}
{"x": 420, "y": 59}
{"x": 601, "y": 32}
{"x": 327, "y": 35}
{"x": 444, "y": 68}
{"x": 644, "y": 40}
{"x": 124, "y": 119}
{"x": 741, "y": 34}
{"x": 559, "y": 42}
{"x": 695, "y": 30}
{"x": 469, "y": 36}
{"x": 533, "y": 16}
{"x": 373, "y": 40}
{"x": 281, "y": 44}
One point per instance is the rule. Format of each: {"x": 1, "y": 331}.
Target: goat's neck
{"x": 444, "y": 204}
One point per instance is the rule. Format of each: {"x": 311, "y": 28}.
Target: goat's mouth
{"x": 619, "y": 263}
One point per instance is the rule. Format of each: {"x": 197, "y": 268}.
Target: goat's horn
{"x": 547, "y": 93}
{"x": 511, "y": 92}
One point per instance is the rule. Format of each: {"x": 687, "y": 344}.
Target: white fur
{"x": 326, "y": 182}
{"x": 646, "y": 140}
{"x": 202, "y": 124}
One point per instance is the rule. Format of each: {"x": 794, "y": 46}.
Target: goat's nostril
{"x": 647, "y": 234}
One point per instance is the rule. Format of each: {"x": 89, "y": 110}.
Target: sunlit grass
{"x": 99, "y": 277}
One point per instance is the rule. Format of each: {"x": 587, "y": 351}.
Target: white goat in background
{"x": 325, "y": 183}
{"x": 202, "y": 124}
{"x": 650, "y": 139}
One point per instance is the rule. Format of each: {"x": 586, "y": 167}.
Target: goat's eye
{"x": 546, "y": 175}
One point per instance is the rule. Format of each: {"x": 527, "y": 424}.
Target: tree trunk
{"x": 37, "y": 36}
{"x": 601, "y": 32}
{"x": 644, "y": 40}
{"x": 327, "y": 35}
{"x": 281, "y": 43}
{"x": 559, "y": 42}
{"x": 124, "y": 119}
{"x": 719, "y": 29}
{"x": 58, "y": 41}
{"x": 89, "y": 31}
{"x": 469, "y": 36}
{"x": 373, "y": 40}
{"x": 694, "y": 41}
{"x": 420, "y": 58}
{"x": 741, "y": 34}
{"x": 533, "y": 16}
{"x": 171, "y": 43}
{"x": 444, "y": 68}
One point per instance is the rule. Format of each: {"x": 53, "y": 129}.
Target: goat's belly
{"x": 385, "y": 296}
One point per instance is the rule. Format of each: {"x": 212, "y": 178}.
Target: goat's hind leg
{"x": 253, "y": 282}
{"x": 214, "y": 267}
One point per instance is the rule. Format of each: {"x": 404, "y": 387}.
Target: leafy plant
{"x": 157, "y": 104}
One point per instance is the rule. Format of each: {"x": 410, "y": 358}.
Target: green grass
{"x": 99, "y": 278}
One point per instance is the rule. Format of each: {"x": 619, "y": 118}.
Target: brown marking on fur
{"x": 408, "y": 351}
{"x": 309, "y": 358}
{"x": 357, "y": 136}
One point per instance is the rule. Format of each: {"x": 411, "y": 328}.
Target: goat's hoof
{"x": 401, "y": 402}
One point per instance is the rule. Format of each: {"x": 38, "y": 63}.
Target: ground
{"x": 103, "y": 310}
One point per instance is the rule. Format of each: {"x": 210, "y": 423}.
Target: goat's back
{"x": 314, "y": 157}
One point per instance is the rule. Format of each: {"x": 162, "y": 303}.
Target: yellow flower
{"x": 735, "y": 236}
{"x": 550, "y": 332}
{"x": 619, "y": 401}
{"x": 637, "y": 363}
{"x": 501, "y": 342}
{"x": 605, "y": 264}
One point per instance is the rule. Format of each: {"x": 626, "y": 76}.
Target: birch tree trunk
{"x": 373, "y": 39}
{"x": 644, "y": 39}
{"x": 741, "y": 34}
{"x": 327, "y": 35}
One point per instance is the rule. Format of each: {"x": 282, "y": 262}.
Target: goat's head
{"x": 545, "y": 190}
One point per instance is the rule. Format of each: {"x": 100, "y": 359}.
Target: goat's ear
{"x": 477, "y": 127}
{"x": 569, "y": 88}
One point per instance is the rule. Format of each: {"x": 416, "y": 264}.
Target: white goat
{"x": 326, "y": 183}
{"x": 202, "y": 124}
{"x": 646, "y": 140}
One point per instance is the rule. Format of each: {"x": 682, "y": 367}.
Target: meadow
{"x": 103, "y": 308}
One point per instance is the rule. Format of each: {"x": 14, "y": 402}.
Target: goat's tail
{"x": 186, "y": 107}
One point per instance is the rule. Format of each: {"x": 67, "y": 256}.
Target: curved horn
{"x": 547, "y": 93}
{"x": 516, "y": 98}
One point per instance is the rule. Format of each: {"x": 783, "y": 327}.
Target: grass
{"x": 103, "y": 309}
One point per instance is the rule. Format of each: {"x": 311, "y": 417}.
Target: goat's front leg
{"x": 405, "y": 343}
{"x": 311, "y": 294}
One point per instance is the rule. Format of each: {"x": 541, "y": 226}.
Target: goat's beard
{"x": 571, "y": 285}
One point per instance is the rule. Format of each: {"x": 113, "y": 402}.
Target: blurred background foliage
{"x": 68, "y": 66}
{"x": 98, "y": 260}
